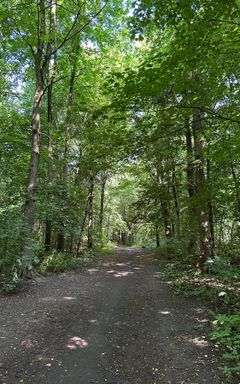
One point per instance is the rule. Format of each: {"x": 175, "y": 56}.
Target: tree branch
{"x": 69, "y": 35}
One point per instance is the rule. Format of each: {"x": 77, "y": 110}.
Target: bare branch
{"x": 208, "y": 110}
{"x": 23, "y": 37}
{"x": 70, "y": 35}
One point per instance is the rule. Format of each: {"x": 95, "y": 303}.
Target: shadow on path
{"x": 115, "y": 323}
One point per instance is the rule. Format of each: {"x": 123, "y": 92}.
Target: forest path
{"x": 116, "y": 323}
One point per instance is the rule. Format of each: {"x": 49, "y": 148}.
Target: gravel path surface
{"x": 116, "y": 323}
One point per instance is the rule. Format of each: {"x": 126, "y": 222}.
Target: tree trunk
{"x": 157, "y": 234}
{"x": 90, "y": 212}
{"x": 163, "y": 197}
{"x": 61, "y": 235}
{"x": 201, "y": 192}
{"x": 103, "y": 185}
{"x": 210, "y": 209}
{"x": 48, "y": 223}
{"x": 190, "y": 189}
{"x": 51, "y": 73}
{"x": 237, "y": 191}
{"x": 30, "y": 204}
{"x": 82, "y": 229}
{"x": 176, "y": 200}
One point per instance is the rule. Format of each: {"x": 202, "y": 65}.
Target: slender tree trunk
{"x": 157, "y": 234}
{"x": 176, "y": 200}
{"x": 48, "y": 223}
{"x": 103, "y": 186}
{"x": 61, "y": 235}
{"x": 90, "y": 212}
{"x": 51, "y": 73}
{"x": 82, "y": 229}
{"x": 190, "y": 188}
{"x": 237, "y": 190}
{"x": 30, "y": 204}
{"x": 201, "y": 192}
{"x": 210, "y": 209}
{"x": 163, "y": 194}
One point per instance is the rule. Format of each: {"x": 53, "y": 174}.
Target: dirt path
{"x": 117, "y": 323}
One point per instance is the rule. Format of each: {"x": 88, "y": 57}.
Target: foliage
{"x": 219, "y": 292}
{"x": 226, "y": 333}
{"x": 58, "y": 263}
{"x": 172, "y": 249}
{"x": 222, "y": 268}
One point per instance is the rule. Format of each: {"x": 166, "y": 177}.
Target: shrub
{"x": 62, "y": 262}
{"x": 227, "y": 334}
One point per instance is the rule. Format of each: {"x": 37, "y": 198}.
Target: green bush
{"x": 227, "y": 334}
{"x": 62, "y": 262}
{"x": 173, "y": 249}
{"x": 222, "y": 268}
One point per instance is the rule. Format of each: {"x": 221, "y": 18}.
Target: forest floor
{"x": 118, "y": 322}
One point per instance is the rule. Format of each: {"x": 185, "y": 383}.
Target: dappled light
{"x": 92, "y": 270}
{"x": 119, "y": 191}
{"x": 164, "y": 312}
{"x": 27, "y": 343}
{"x": 200, "y": 342}
{"x": 69, "y": 298}
{"x": 93, "y": 321}
{"x": 119, "y": 273}
{"x": 123, "y": 273}
{"x": 77, "y": 342}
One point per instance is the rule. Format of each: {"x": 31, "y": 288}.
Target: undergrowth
{"x": 63, "y": 262}
{"x": 219, "y": 288}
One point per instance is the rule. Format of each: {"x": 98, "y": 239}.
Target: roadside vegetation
{"x": 119, "y": 125}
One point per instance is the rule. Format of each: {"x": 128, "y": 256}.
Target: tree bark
{"x": 30, "y": 204}
{"x": 101, "y": 213}
{"x": 190, "y": 188}
{"x": 201, "y": 192}
{"x": 51, "y": 74}
{"x": 82, "y": 229}
{"x": 61, "y": 235}
{"x": 157, "y": 234}
{"x": 163, "y": 193}
{"x": 90, "y": 212}
{"x": 176, "y": 200}
{"x": 210, "y": 209}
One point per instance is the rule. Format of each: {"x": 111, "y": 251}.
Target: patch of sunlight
{"x": 164, "y": 312}
{"x": 198, "y": 341}
{"x": 27, "y": 343}
{"x": 92, "y": 270}
{"x": 49, "y": 298}
{"x": 111, "y": 271}
{"x": 69, "y": 298}
{"x": 77, "y": 342}
{"x": 93, "y": 321}
{"x": 123, "y": 273}
{"x": 121, "y": 264}
{"x": 203, "y": 320}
